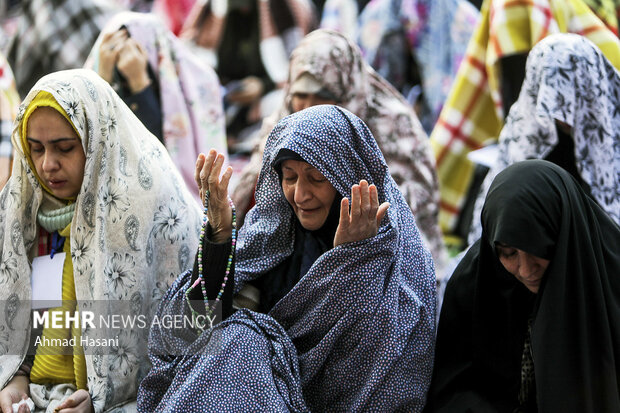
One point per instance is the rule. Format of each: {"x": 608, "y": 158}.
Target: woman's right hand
{"x": 111, "y": 44}
{"x": 207, "y": 176}
{"x": 16, "y": 390}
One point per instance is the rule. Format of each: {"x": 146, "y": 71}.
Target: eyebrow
{"x": 307, "y": 168}
{"x": 53, "y": 141}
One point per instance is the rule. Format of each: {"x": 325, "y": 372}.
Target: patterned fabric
{"x": 361, "y": 318}
{"x": 436, "y": 32}
{"x": 193, "y": 115}
{"x": 341, "y": 16}
{"x": 383, "y": 42}
{"x": 337, "y": 64}
{"x": 473, "y": 114}
{"x": 606, "y": 11}
{"x": 527, "y": 368}
{"x": 134, "y": 228}
{"x": 283, "y": 23}
{"x": 324, "y": 313}
{"x": 54, "y": 35}
{"x": 9, "y": 101}
{"x": 568, "y": 79}
{"x": 438, "y": 38}
{"x": 173, "y": 12}
{"x": 50, "y": 364}
{"x": 247, "y": 363}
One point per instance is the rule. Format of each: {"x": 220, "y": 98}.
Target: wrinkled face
{"x": 301, "y": 101}
{"x": 56, "y": 152}
{"x": 310, "y": 194}
{"x": 527, "y": 268}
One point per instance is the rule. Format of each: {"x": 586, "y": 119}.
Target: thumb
{"x": 381, "y": 212}
{"x": 69, "y": 402}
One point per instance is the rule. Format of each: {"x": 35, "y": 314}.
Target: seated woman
{"x": 170, "y": 90}
{"x": 9, "y": 101}
{"x": 349, "y": 296}
{"x": 91, "y": 182}
{"x": 326, "y": 67}
{"x": 531, "y": 318}
{"x": 567, "y": 113}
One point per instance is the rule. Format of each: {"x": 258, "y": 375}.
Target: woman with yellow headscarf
{"x": 91, "y": 182}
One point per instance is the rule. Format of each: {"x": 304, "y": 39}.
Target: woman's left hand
{"x": 133, "y": 64}
{"x": 78, "y": 402}
{"x": 365, "y": 217}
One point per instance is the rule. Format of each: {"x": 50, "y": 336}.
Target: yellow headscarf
{"x": 50, "y": 366}
{"x": 40, "y": 100}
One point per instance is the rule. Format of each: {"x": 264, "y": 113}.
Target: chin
{"x": 311, "y": 225}
{"x": 63, "y": 194}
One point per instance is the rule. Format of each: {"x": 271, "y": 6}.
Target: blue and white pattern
{"x": 362, "y": 319}
{"x": 567, "y": 79}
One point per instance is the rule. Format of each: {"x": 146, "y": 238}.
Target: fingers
{"x": 72, "y": 401}
{"x": 364, "y": 198}
{"x": 113, "y": 40}
{"x": 200, "y": 161}
{"x": 206, "y": 170}
{"x": 207, "y": 174}
{"x": 344, "y": 214}
{"x": 381, "y": 212}
{"x": 355, "y": 201}
{"x": 214, "y": 175}
{"x": 223, "y": 186}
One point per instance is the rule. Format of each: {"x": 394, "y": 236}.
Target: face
{"x": 56, "y": 152}
{"x": 527, "y": 268}
{"x": 310, "y": 194}
{"x": 301, "y": 101}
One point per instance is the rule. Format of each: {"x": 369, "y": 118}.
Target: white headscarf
{"x": 570, "y": 80}
{"x": 135, "y": 227}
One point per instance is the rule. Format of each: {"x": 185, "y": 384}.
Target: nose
{"x": 304, "y": 103}
{"x": 527, "y": 265}
{"x": 50, "y": 162}
{"x": 302, "y": 192}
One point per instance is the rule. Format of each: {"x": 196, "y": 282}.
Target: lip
{"x": 308, "y": 211}
{"x": 535, "y": 282}
{"x": 55, "y": 184}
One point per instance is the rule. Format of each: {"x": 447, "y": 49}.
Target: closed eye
{"x": 67, "y": 150}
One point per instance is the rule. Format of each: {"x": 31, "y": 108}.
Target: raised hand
{"x": 365, "y": 216}
{"x": 251, "y": 91}
{"x": 111, "y": 44}
{"x": 207, "y": 177}
{"x": 133, "y": 63}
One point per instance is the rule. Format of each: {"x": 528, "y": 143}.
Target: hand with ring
{"x": 111, "y": 44}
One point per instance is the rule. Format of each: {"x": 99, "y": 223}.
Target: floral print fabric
{"x": 191, "y": 104}
{"x": 134, "y": 228}
{"x": 570, "y": 80}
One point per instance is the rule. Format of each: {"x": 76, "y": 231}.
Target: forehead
{"x": 298, "y": 166}
{"x": 46, "y": 121}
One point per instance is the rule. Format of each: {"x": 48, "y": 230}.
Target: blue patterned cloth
{"x": 361, "y": 320}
